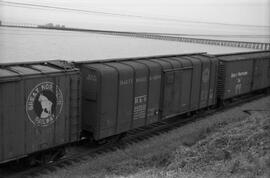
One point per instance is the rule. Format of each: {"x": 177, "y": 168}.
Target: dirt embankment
{"x": 228, "y": 144}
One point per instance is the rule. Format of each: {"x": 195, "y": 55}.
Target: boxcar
{"x": 39, "y": 107}
{"x": 120, "y": 95}
{"x": 242, "y": 73}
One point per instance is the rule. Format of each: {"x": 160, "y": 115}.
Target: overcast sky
{"x": 245, "y": 12}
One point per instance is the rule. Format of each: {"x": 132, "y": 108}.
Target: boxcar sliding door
{"x": 177, "y": 91}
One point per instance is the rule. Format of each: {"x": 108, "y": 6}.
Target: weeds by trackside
{"x": 228, "y": 144}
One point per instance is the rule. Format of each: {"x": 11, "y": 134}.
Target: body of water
{"x": 19, "y": 44}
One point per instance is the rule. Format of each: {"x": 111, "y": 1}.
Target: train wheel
{"x": 53, "y": 155}
{"x": 44, "y": 157}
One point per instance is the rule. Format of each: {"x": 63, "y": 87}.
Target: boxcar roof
{"x": 244, "y": 56}
{"x": 139, "y": 58}
{"x": 33, "y": 68}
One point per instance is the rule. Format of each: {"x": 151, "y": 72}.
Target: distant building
{"x": 51, "y": 25}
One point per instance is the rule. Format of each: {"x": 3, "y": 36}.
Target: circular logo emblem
{"x": 44, "y": 104}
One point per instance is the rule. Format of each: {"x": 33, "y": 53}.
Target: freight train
{"x": 47, "y": 105}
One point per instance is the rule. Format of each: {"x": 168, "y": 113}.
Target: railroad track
{"x": 87, "y": 150}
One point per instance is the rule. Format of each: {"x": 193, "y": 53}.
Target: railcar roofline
{"x": 240, "y": 53}
{"x": 135, "y": 58}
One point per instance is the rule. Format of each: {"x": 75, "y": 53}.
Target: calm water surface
{"x": 18, "y": 45}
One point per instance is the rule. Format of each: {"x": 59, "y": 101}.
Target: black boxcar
{"x": 120, "y": 95}
{"x": 242, "y": 73}
{"x": 39, "y": 107}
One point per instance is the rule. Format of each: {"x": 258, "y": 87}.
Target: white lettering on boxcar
{"x": 142, "y": 79}
{"x": 91, "y": 77}
{"x": 140, "y": 99}
{"x": 139, "y": 107}
{"x": 238, "y": 86}
{"x": 126, "y": 81}
{"x": 239, "y": 74}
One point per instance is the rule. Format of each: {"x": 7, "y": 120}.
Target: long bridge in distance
{"x": 168, "y": 37}
{"x": 156, "y": 36}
